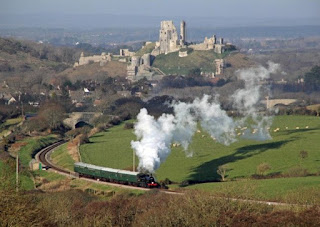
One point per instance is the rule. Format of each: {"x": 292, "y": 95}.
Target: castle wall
{"x": 146, "y": 60}
{"x": 219, "y": 66}
{"x": 95, "y": 58}
{"x": 182, "y": 33}
{"x": 168, "y": 37}
{"x": 126, "y": 53}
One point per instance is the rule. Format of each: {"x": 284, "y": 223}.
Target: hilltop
{"x": 95, "y": 71}
{"x": 172, "y": 64}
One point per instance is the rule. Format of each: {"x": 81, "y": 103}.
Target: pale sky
{"x": 206, "y": 8}
{"x": 227, "y": 9}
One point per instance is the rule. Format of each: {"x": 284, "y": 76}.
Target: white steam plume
{"x": 246, "y": 100}
{"x": 155, "y": 136}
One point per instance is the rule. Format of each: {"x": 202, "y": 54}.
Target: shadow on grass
{"x": 293, "y": 131}
{"x": 96, "y": 136}
{"x": 207, "y": 172}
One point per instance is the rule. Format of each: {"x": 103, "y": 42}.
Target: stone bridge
{"x": 77, "y": 118}
{"x": 270, "y": 103}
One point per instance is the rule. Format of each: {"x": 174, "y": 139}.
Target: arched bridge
{"x": 80, "y": 118}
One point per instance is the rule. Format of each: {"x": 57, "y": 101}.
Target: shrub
{"x": 222, "y": 170}
{"x": 167, "y": 181}
{"x": 83, "y": 138}
{"x": 303, "y": 154}
{"x": 128, "y": 125}
{"x": 297, "y": 172}
{"x": 103, "y": 119}
{"x": 115, "y": 121}
{"x": 262, "y": 168}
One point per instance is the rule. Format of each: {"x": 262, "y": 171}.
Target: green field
{"x": 7, "y": 125}
{"x": 172, "y": 64}
{"x": 296, "y": 190}
{"x": 61, "y": 157}
{"x": 33, "y": 145}
{"x": 25, "y": 156}
{"x": 112, "y": 149}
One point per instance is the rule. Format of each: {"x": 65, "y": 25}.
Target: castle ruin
{"x": 219, "y": 66}
{"x": 126, "y": 53}
{"x": 102, "y": 59}
{"x": 139, "y": 66}
{"x": 170, "y": 41}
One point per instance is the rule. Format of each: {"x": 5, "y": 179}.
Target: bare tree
{"x": 263, "y": 167}
{"x": 303, "y": 154}
{"x": 222, "y": 171}
{"x": 53, "y": 113}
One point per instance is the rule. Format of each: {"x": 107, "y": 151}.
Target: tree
{"x": 222, "y": 171}
{"x": 53, "y": 114}
{"x": 263, "y": 167}
{"x": 194, "y": 72}
{"x": 303, "y": 155}
{"x": 312, "y": 78}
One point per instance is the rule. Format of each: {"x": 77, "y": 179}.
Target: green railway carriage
{"x": 114, "y": 175}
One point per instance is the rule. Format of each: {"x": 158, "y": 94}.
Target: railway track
{"x": 44, "y": 157}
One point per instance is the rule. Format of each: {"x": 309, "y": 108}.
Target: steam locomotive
{"x": 116, "y": 175}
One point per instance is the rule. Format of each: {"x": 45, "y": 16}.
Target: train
{"x": 137, "y": 179}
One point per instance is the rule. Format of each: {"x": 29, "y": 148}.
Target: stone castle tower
{"x": 168, "y": 37}
{"x": 182, "y": 33}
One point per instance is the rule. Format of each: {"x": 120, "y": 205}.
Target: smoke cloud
{"x": 155, "y": 136}
{"x": 245, "y": 101}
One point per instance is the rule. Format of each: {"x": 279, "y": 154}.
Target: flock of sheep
{"x": 241, "y": 131}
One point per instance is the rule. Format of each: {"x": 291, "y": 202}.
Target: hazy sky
{"x": 203, "y": 8}
{"x": 148, "y": 13}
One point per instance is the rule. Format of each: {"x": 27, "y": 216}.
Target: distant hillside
{"x": 26, "y": 64}
{"x": 173, "y": 64}
{"x": 294, "y": 63}
{"x": 95, "y": 71}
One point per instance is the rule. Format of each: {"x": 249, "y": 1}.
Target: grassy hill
{"x": 94, "y": 71}
{"x": 146, "y": 49}
{"x": 112, "y": 149}
{"x": 295, "y": 190}
{"x": 172, "y": 64}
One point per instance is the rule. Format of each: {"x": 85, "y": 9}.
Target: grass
{"x": 25, "y": 156}
{"x": 48, "y": 175}
{"x": 8, "y": 177}
{"x": 5, "y": 127}
{"x": 61, "y": 157}
{"x": 172, "y": 64}
{"x": 82, "y": 185}
{"x": 146, "y": 50}
{"x": 33, "y": 146}
{"x": 304, "y": 190}
{"x": 112, "y": 149}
